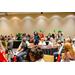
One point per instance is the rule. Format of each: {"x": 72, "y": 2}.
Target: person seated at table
{"x": 45, "y": 38}
{"x": 11, "y": 37}
{"x": 28, "y": 44}
{"x": 42, "y": 42}
{"x": 69, "y": 52}
{"x": 58, "y": 45}
{"x": 36, "y": 54}
{"x": 2, "y": 38}
{"x": 48, "y": 37}
{"x": 22, "y": 50}
{"x": 28, "y": 38}
{"x": 70, "y": 39}
{"x": 5, "y": 38}
{"x": 51, "y": 42}
{"x": 3, "y": 42}
{"x": 73, "y": 39}
{"x": 18, "y": 36}
{"x": 56, "y": 41}
{"x": 53, "y": 36}
{"x": 62, "y": 38}
{"x": 9, "y": 44}
{"x": 25, "y": 35}
{"x": 32, "y": 39}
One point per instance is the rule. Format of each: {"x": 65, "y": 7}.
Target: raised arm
{"x": 34, "y": 33}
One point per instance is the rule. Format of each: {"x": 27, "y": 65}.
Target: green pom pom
{"x": 53, "y": 30}
{"x": 43, "y": 31}
{"x": 35, "y": 31}
{"x": 60, "y": 31}
{"x": 40, "y": 30}
{"x": 20, "y": 34}
{"x": 16, "y": 34}
{"x": 49, "y": 34}
{"x": 19, "y": 38}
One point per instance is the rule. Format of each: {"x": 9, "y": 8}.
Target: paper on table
{"x": 15, "y": 53}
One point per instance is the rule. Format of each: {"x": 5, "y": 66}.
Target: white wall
{"x": 29, "y": 23}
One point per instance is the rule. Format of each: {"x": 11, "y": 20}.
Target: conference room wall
{"x": 29, "y": 22}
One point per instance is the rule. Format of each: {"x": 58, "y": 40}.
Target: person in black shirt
{"x": 22, "y": 50}
{"x": 53, "y": 36}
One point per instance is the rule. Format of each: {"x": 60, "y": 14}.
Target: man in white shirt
{"x": 42, "y": 42}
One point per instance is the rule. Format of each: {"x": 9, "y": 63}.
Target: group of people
{"x": 36, "y": 53}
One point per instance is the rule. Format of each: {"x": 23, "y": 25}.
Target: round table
{"x": 47, "y": 51}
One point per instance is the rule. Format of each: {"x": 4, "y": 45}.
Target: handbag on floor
{"x": 58, "y": 59}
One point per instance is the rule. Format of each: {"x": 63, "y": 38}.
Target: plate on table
{"x": 40, "y": 45}
{"x": 48, "y": 46}
{"x": 31, "y": 45}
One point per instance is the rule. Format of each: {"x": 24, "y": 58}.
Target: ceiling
{"x": 18, "y": 13}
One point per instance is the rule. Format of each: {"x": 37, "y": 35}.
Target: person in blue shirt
{"x": 36, "y": 37}
{"x": 6, "y": 38}
{"x": 25, "y": 35}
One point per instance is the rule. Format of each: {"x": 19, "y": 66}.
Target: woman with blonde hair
{"x": 69, "y": 52}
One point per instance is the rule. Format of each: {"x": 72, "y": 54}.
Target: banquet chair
{"x": 24, "y": 57}
{"x": 10, "y": 46}
{"x": 48, "y": 58}
{"x": 63, "y": 55}
{"x": 31, "y": 43}
{"x": 6, "y": 56}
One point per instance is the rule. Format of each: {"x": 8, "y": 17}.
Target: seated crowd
{"x": 36, "y": 53}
